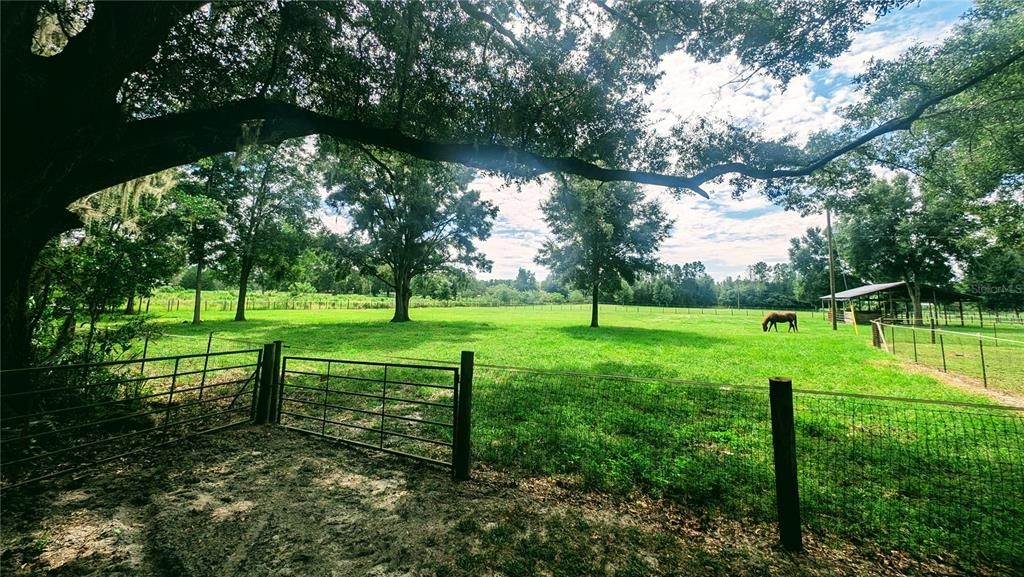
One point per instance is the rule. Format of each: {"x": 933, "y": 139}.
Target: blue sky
{"x": 725, "y": 234}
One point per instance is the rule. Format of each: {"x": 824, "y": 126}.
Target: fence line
{"x": 96, "y": 413}
{"x": 997, "y": 362}
{"x": 923, "y": 475}
{"x": 256, "y": 304}
{"x": 928, "y": 477}
{"x": 935, "y": 329}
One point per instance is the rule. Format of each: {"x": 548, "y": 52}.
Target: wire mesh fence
{"x": 59, "y": 419}
{"x": 705, "y": 444}
{"x": 993, "y": 362}
{"x": 917, "y": 476}
{"x": 930, "y": 477}
{"x": 925, "y": 477}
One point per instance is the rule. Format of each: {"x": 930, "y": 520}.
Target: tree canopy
{"x": 99, "y": 94}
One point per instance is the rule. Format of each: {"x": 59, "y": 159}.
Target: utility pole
{"x": 831, "y": 268}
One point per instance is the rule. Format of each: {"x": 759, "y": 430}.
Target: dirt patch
{"x": 265, "y": 501}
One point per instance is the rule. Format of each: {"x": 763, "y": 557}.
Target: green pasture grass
{"x": 707, "y": 345}
{"x": 927, "y": 479}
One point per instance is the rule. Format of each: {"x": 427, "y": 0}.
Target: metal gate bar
{"x": 323, "y": 399}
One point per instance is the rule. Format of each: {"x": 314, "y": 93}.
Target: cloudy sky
{"x": 724, "y": 234}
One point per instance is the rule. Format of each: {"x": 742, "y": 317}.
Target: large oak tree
{"x": 98, "y": 94}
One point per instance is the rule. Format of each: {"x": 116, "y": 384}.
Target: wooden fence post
{"x": 265, "y": 384}
{"x": 276, "y": 392}
{"x": 463, "y": 420}
{"x": 787, "y": 495}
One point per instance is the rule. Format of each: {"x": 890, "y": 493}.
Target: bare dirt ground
{"x": 266, "y": 501}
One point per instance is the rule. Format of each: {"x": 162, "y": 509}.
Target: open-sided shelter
{"x": 891, "y": 301}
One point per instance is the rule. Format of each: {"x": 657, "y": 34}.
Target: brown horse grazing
{"x": 771, "y": 318}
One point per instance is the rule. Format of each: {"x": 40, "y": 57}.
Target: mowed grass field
{"x": 922, "y": 478}
{"x": 703, "y": 345}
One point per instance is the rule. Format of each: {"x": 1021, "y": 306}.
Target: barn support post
{"x": 787, "y": 494}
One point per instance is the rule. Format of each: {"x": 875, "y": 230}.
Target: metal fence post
{"x": 145, "y": 349}
{"x": 981, "y": 349}
{"x": 170, "y": 395}
{"x": 787, "y": 496}
{"x": 942, "y": 349}
{"x": 265, "y": 384}
{"x": 206, "y": 365}
{"x": 913, "y": 334}
{"x": 463, "y": 412}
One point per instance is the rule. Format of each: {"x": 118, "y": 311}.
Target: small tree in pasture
{"x": 270, "y": 195}
{"x": 601, "y": 234}
{"x": 200, "y": 221}
{"x": 409, "y": 217}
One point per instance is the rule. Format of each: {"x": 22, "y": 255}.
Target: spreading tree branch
{"x": 147, "y": 146}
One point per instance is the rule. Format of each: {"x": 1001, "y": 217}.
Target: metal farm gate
{"x": 63, "y": 419}
{"x": 403, "y": 409}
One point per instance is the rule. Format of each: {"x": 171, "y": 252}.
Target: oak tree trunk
{"x": 402, "y": 296}
{"x": 199, "y": 294}
{"x": 243, "y": 288}
{"x": 593, "y": 308}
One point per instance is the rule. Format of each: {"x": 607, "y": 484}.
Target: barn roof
{"x": 899, "y": 290}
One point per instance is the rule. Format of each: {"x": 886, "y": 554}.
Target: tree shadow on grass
{"x": 642, "y": 336}
{"x": 385, "y": 337}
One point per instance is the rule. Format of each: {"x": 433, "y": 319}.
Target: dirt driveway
{"x": 265, "y": 501}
